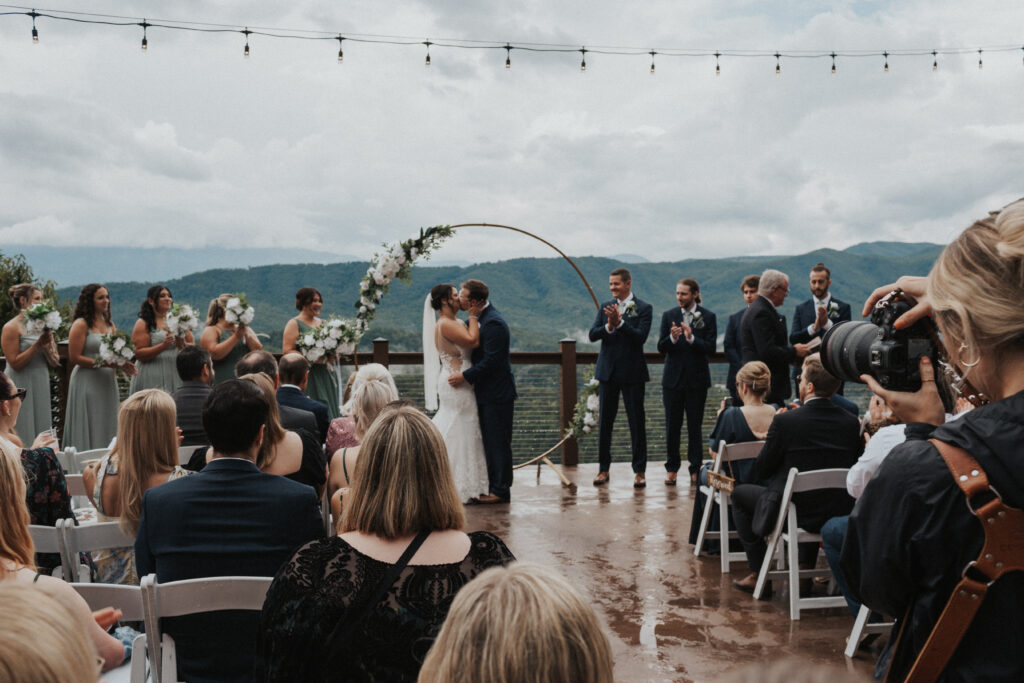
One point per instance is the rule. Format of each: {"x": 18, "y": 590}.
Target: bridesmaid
{"x": 27, "y": 358}
{"x": 92, "y": 395}
{"x": 226, "y": 352}
{"x": 156, "y": 350}
{"x": 323, "y": 385}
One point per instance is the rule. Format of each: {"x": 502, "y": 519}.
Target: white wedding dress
{"x": 459, "y": 423}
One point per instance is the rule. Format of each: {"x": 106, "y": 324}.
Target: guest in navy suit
{"x": 733, "y": 347}
{"x": 622, "y": 326}
{"x": 495, "y": 389}
{"x": 689, "y": 333}
{"x": 816, "y": 316}
{"x": 763, "y": 334}
{"x": 291, "y": 418}
{"x": 228, "y": 520}
{"x": 293, "y": 372}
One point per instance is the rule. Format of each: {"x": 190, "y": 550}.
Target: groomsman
{"x": 733, "y": 347}
{"x": 689, "y": 334}
{"x": 816, "y": 316}
{"x": 622, "y": 326}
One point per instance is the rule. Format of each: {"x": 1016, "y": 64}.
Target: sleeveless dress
{"x": 459, "y": 423}
{"x": 93, "y": 401}
{"x": 323, "y": 385}
{"x": 35, "y": 376}
{"x": 224, "y": 369}
{"x": 116, "y": 565}
{"x": 162, "y": 371}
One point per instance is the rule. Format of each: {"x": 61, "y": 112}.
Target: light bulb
{"x": 247, "y": 48}
{"x": 145, "y": 43}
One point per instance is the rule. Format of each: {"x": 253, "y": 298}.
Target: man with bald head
{"x": 763, "y": 334}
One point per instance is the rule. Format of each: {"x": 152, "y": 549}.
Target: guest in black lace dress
{"x": 401, "y": 488}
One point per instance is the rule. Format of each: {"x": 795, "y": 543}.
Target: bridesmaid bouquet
{"x": 182, "y": 320}
{"x": 116, "y": 349}
{"x": 239, "y": 310}
{"x": 334, "y": 336}
{"x": 42, "y": 317}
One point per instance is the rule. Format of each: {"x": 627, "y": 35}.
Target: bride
{"x": 447, "y": 344}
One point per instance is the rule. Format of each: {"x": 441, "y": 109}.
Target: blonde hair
{"x": 524, "y": 622}
{"x": 41, "y": 640}
{"x": 274, "y": 433}
{"x": 372, "y": 389}
{"x": 218, "y": 307}
{"x": 147, "y": 444}
{"x": 402, "y": 483}
{"x": 15, "y": 540}
{"x": 756, "y": 376}
{"x": 977, "y": 283}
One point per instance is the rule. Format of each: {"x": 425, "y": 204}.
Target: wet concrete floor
{"x": 670, "y": 616}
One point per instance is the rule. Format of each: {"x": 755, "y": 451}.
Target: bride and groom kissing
{"x": 467, "y": 378}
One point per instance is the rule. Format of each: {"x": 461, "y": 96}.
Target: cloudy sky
{"x": 189, "y": 144}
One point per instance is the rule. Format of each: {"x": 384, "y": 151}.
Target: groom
{"x": 495, "y": 388}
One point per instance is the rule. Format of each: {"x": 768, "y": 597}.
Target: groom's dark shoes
{"x": 490, "y": 499}
{"x": 601, "y": 479}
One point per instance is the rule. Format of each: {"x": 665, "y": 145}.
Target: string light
{"x": 886, "y": 55}
{"x": 778, "y": 67}
{"x": 145, "y": 43}
{"x": 246, "y": 32}
{"x": 935, "y": 60}
{"x": 718, "y": 69}
{"x": 508, "y": 56}
{"x": 833, "y": 63}
{"x": 428, "y": 44}
{"x": 35, "y": 31}
{"x": 979, "y": 59}
{"x": 652, "y": 61}
{"x": 341, "y": 52}
{"x": 583, "y": 62}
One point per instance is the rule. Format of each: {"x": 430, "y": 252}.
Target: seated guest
{"x": 342, "y": 432}
{"x": 818, "y": 435}
{"x": 737, "y": 424}
{"x": 293, "y": 372}
{"x": 228, "y": 520}
{"x": 17, "y": 570}
{"x": 291, "y": 418}
{"x": 334, "y": 612}
{"x": 196, "y": 372}
{"x": 145, "y": 456}
{"x": 293, "y": 454}
{"x": 523, "y": 622}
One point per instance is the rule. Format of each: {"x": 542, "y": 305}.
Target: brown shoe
{"x": 601, "y": 479}
{"x": 639, "y": 481}
{"x": 670, "y": 479}
{"x": 747, "y": 584}
{"x": 693, "y": 479}
{"x": 491, "y": 499}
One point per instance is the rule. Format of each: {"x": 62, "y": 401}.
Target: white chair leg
{"x": 766, "y": 564}
{"x": 793, "y": 560}
{"x": 705, "y": 518}
{"x": 858, "y": 629}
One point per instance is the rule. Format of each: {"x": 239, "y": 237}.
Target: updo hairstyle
{"x": 440, "y": 294}
{"x": 22, "y": 291}
{"x": 218, "y": 307}
{"x": 305, "y": 297}
{"x": 755, "y": 376}
{"x": 372, "y": 389}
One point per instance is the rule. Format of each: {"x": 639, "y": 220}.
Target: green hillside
{"x": 542, "y": 298}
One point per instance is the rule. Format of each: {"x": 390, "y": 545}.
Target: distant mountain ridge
{"x": 542, "y": 298}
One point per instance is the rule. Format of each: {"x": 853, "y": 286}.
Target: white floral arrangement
{"x": 116, "y": 350}
{"x": 238, "y": 310}
{"x": 697, "y": 322}
{"x": 584, "y": 416}
{"x": 181, "y": 320}
{"x": 394, "y": 262}
{"x": 631, "y": 310}
{"x": 335, "y": 336}
{"x": 42, "y": 317}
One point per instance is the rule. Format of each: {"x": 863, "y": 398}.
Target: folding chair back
{"x": 75, "y": 485}
{"x": 50, "y": 539}
{"x": 73, "y": 461}
{"x": 185, "y": 453}
{"x": 128, "y": 599}
{"x": 727, "y": 453}
{"x": 90, "y": 537}
{"x": 862, "y": 626}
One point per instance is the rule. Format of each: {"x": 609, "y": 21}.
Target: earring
{"x": 963, "y": 347}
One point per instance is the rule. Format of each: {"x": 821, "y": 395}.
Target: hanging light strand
{"x": 341, "y": 48}
{"x": 508, "y": 56}
{"x": 145, "y": 43}
{"x": 247, "y": 33}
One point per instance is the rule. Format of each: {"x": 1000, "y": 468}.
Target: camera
{"x": 851, "y": 349}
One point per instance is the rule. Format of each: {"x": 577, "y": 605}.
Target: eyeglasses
{"x": 18, "y": 393}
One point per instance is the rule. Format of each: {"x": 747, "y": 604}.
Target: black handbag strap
{"x": 343, "y": 629}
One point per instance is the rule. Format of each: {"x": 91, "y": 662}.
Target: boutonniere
{"x": 631, "y": 310}
{"x": 833, "y": 310}
{"x": 698, "y": 321}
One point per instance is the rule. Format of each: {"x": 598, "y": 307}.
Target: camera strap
{"x": 1002, "y": 552}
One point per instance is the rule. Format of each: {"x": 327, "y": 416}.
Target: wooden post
{"x": 567, "y": 379}
{"x": 380, "y": 351}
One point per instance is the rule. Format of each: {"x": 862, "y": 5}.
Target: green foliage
{"x": 14, "y": 270}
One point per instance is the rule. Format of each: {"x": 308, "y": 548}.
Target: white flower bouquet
{"x": 116, "y": 350}
{"x": 42, "y": 317}
{"x": 238, "y": 310}
{"x": 335, "y": 336}
{"x": 584, "y": 417}
{"x": 181, "y": 320}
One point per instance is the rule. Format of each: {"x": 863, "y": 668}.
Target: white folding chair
{"x": 727, "y": 453}
{"x": 192, "y": 596}
{"x": 50, "y": 539}
{"x": 862, "y": 627}
{"x": 73, "y": 461}
{"x": 185, "y": 453}
{"x": 91, "y": 537}
{"x": 128, "y": 599}
{"x": 787, "y": 535}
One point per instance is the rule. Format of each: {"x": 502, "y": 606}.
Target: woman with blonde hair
{"x": 367, "y": 604}
{"x": 17, "y": 570}
{"x": 523, "y": 622}
{"x": 29, "y": 358}
{"x": 226, "y": 352}
{"x": 145, "y": 455}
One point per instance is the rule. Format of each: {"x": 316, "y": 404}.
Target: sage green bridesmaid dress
{"x": 162, "y": 371}
{"x": 323, "y": 385}
{"x": 224, "y": 369}
{"x": 91, "y": 418}
{"x": 34, "y": 376}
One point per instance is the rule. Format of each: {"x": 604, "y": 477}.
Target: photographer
{"x": 911, "y": 535}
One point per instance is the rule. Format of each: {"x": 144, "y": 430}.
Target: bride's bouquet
{"x": 238, "y": 310}
{"x": 334, "y": 336}
{"x": 42, "y": 317}
{"x": 181, "y": 320}
{"x": 116, "y": 349}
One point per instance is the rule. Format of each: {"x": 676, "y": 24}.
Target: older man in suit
{"x": 293, "y": 373}
{"x": 291, "y": 418}
{"x": 733, "y": 348}
{"x": 816, "y": 316}
{"x": 622, "y": 326}
{"x": 688, "y": 335}
{"x": 228, "y": 520}
{"x": 763, "y": 334}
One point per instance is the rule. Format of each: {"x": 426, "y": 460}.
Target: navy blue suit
{"x": 685, "y": 382}
{"x": 294, "y": 398}
{"x": 733, "y": 350}
{"x": 228, "y": 520}
{"x": 495, "y": 389}
{"x": 763, "y": 338}
{"x": 621, "y": 368}
{"x": 805, "y": 315}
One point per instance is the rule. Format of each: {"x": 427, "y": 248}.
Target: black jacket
{"x": 763, "y": 338}
{"x": 686, "y": 363}
{"x": 911, "y": 535}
